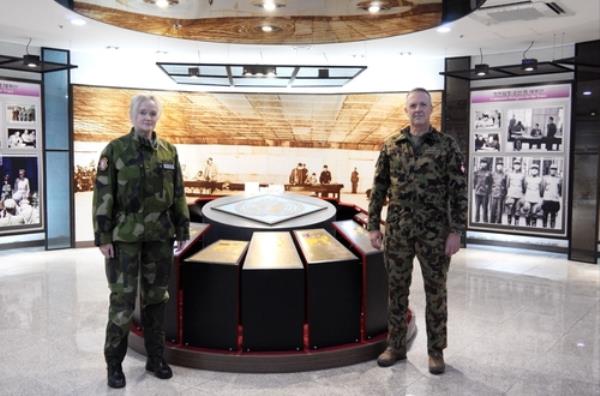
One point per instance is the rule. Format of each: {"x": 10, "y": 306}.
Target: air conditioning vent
{"x": 507, "y": 11}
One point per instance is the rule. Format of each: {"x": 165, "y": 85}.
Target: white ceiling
{"x": 47, "y": 23}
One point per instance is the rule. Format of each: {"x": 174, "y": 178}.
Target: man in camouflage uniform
{"x": 422, "y": 173}
{"x": 139, "y": 209}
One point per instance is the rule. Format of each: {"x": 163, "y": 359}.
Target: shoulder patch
{"x": 103, "y": 164}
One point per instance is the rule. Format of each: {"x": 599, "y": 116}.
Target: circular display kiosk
{"x": 275, "y": 283}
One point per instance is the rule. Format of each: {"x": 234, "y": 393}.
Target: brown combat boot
{"x": 436, "y": 363}
{"x": 389, "y": 357}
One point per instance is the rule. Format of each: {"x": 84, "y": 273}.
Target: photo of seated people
{"x": 19, "y": 138}
{"x": 535, "y": 130}
{"x": 487, "y": 142}
{"x": 488, "y": 119}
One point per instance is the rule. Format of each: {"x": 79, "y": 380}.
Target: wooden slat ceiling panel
{"x": 353, "y": 121}
{"x": 288, "y": 29}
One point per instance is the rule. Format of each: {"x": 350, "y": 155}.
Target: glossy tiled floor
{"x": 521, "y": 323}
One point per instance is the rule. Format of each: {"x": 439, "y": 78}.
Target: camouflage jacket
{"x": 426, "y": 187}
{"x": 139, "y": 194}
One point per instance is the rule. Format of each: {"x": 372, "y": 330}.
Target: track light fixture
{"x": 31, "y": 60}
{"x": 482, "y": 69}
{"x": 529, "y": 64}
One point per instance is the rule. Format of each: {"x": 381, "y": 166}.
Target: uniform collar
{"x": 151, "y": 144}
{"x": 432, "y": 136}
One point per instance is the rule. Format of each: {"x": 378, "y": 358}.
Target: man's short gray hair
{"x": 137, "y": 101}
{"x": 419, "y": 89}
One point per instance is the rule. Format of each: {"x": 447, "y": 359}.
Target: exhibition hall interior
{"x": 282, "y": 114}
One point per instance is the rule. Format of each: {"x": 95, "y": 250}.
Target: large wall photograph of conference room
{"x": 248, "y": 137}
{"x": 519, "y": 158}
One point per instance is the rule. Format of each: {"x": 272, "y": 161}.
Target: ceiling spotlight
{"x": 162, "y": 3}
{"x": 443, "y": 29}
{"x": 31, "y": 60}
{"x": 266, "y": 28}
{"x": 482, "y": 69}
{"x": 77, "y": 21}
{"x": 529, "y": 64}
{"x": 269, "y": 5}
{"x": 194, "y": 72}
{"x": 587, "y": 93}
{"x": 375, "y": 7}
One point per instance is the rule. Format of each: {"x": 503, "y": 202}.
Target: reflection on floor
{"x": 521, "y": 323}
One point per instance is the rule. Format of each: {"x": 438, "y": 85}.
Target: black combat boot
{"x": 115, "y": 376}
{"x": 159, "y": 367}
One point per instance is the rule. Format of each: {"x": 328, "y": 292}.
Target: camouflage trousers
{"x": 399, "y": 255}
{"x": 153, "y": 261}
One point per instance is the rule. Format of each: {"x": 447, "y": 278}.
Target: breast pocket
{"x": 167, "y": 171}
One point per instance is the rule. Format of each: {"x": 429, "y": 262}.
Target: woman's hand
{"x": 108, "y": 250}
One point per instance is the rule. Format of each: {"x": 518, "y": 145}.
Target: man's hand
{"x": 452, "y": 244}
{"x": 108, "y": 250}
{"x": 376, "y": 238}
{"x": 179, "y": 245}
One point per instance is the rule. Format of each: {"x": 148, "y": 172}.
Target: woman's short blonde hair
{"x": 137, "y": 101}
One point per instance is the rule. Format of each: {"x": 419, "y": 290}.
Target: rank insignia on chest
{"x": 168, "y": 166}
{"x": 103, "y": 164}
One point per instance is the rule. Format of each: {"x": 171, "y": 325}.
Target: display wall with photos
{"x": 519, "y": 145}
{"x": 20, "y": 157}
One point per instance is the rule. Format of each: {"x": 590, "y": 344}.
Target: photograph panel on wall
{"x": 20, "y": 113}
{"x": 521, "y": 187}
{"x": 525, "y": 192}
{"x": 20, "y": 200}
{"x": 21, "y": 138}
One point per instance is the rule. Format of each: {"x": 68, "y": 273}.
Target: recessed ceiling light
{"x": 587, "y": 93}
{"x": 374, "y": 8}
{"x": 443, "y": 29}
{"x": 162, "y": 3}
{"x": 77, "y": 21}
{"x": 267, "y": 28}
{"x": 269, "y": 5}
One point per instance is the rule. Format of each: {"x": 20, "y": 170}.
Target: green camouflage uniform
{"x": 139, "y": 206}
{"x": 427, "y": 194}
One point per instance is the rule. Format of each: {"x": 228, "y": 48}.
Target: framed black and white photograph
{"x": 526, "y": 192}
{"x": 488, "y": 119}
{"x": 20, "y": 113}
{"x": 521, "y": 187}
{"x": 486, "y": 142}
{"x": 20, "y": 199}
{"x": 519, "y": 126}
{"x": 21, "y": 138}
